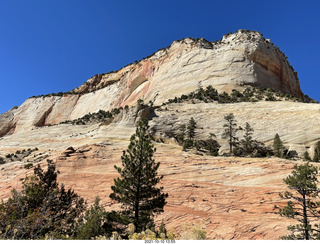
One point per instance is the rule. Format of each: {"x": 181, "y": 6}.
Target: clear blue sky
{"x": 55, "y": 45}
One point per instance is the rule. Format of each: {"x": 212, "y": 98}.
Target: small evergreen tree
{"x": 182, "y": 134}
{"x": 306, "y": 156}
{"x": 192, "y": 125}
{"x": 230, "y": 130}
{"x": 41, "y": 208}
{"x": 316, "y": 156}
{"x": 213, "y": 146}
{"x": 247, "y": 142}
{"x": 94, "y": 222}
{"x": 302, "y": 205}
{"x": 278, "y": 147}
{"x": 136, "y": 190}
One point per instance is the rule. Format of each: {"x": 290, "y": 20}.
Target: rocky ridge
{"x": 241, "y": 59}
{"x": 234, "y": 198}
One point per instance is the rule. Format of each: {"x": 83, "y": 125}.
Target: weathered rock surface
{"x": 296, "y": 123}
{"x": 233, "y": 198}
{"x": 239, "y": 59}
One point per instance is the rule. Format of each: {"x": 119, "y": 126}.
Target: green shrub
{"x": 187, "y": 144}
{"x": 28, "y": 166}
{"x": 41, "y": 208}
{"x": 193, "y": 231}
{"x": 94, "y": 222}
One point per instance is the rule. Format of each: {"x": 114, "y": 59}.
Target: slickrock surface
{"x": 296, "y": 123}
{"x": 238, "y": 60}
{"x": 234, "y": 198}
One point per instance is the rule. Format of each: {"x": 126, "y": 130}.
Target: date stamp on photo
{"x": 159, "y": 241}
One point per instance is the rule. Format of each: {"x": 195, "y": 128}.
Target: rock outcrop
{"x": 234, "y": 198}
{"x": 296, "y": 123}
{"x": 241, "y": 59}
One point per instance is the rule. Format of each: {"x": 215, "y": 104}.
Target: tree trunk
{"x": 230, "y": 128}
{"x": 305, "y": 217}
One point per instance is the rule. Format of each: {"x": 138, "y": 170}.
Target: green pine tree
{"x": 136, "y": 188}
{"x": 302, "y": 205}
{"x": 42, "y": 208}
{"x": 248, "y": 142}
{"x": 278, "y": 147}
{"x": 230, "y": 130}
{"x": 182, "y": 133}
{"x": 192, "y": 125}
{"x": 306, "y": 156}
{"x": 316, "y": 156}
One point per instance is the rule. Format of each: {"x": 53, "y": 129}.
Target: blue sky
{"x": 52, "y": 45}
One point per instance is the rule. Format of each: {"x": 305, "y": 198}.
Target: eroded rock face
{"x": 238, "y": 60}
{"x": 232, "y": 198}
{"x": 296, "y": 123}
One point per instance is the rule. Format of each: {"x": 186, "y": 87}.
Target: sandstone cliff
{"x": 237, "y": 60}
{"x": 234, "y": 198}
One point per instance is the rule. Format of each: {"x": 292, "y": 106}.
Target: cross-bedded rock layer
{"x": 242, "y": 59}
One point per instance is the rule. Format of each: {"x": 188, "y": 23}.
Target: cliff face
{"x": 234, "y": 198}
{"x": 237, "y": 60}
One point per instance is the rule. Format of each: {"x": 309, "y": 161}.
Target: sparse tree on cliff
{"x": 278, "y": 147}
{"x": 316, "y": 156}
{"x": 248, "y": 141}
{"x": 230, "y": 130}
{"x": 136, "y": 189}
{"x": 302, "y": 205}
{"x": 192, "y": 125}
{"x": 306, "y": 156}
{"x": 182, "y": 134}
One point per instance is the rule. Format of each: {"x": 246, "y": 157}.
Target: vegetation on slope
{"x": 45, "y": 210}
{"x": 210, "y": 94}
{"x": 92, "y": 118}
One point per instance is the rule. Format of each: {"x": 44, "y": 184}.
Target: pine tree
{"x": 247, "y": 141}
{"x": 278, "y": 147}
{"x": 306, "y": 156}
{"x": 302, "y": 205}
{"x": 192, "y": 125}
{"x": 182, "y": 134}
{"x": 93, "y": 223}
{"x": 316, "y": 156}
{"x": 230, "y": 130}
{"x": 136, "y": 189}
{"x": 41, "y": 208}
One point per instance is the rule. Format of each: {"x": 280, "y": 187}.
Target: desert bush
{"x": 28, "y": 166}
{"x": 151, "y": 234}
{"x": 194, "y": 231}
{"x": 97, "y": 223}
